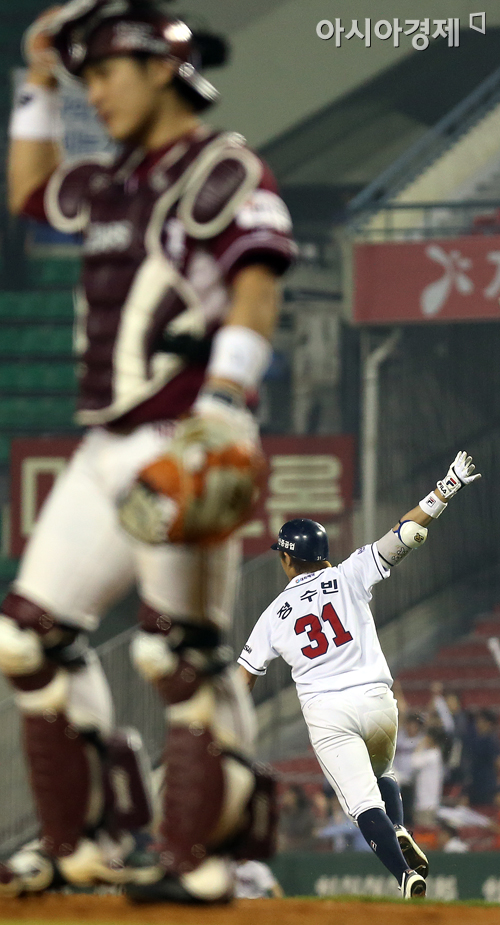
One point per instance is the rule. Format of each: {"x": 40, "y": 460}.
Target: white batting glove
{"x": 459, "y": 474}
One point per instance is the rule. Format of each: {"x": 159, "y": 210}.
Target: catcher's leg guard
{"x": 127, "y": 783}
{"x": 208, "y": 780}
{"x": 66, "y": 710}
{"x": 128, "y": 806}
{"x": 51, "y": 741}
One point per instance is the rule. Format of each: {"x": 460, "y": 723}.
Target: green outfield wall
{"x": 453, "y": 876}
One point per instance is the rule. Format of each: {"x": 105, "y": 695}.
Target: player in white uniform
{"x": 322, "y": 626}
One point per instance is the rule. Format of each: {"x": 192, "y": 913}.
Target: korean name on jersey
{"x": 322, "y": 626}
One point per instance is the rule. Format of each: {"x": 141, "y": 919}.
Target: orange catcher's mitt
{"x": 201, "y": 490}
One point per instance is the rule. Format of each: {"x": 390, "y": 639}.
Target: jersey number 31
{"x": 319, "y": 643}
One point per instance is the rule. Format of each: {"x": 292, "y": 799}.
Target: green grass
{"x": 349, "y": 898}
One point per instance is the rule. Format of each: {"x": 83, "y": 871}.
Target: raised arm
{"x": 35, "y": 128}
{"x": 241, "y": 351}
{"x": 220, "y": 422}
{"x": 411, "y": 531}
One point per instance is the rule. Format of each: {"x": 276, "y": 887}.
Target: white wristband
{"x": 36, "y": 115}
{"x": 241, "y": 355}
{"x": 432, "y": 505}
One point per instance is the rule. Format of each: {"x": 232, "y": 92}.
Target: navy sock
{"x": 378, "y": 831}
{"x": 391, "y": 795}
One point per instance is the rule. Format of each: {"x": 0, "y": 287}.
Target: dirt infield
{"x": 48, "y": 909}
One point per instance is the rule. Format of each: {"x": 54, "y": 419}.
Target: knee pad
{"x": 177, "y": 656}
{"x": 30, "y": 641}
{"x": 21, "y": 651}
{"x": 22, "y": 627}
{"x": 38, "y": 682}
{"x": 49, "y": 664}
{"x": 223, "y": 704}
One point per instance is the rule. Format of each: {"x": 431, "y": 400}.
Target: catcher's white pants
{"x": 353, "y": 733}
{"x": 79, "y": 560}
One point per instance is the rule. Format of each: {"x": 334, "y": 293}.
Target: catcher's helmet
{"x": 85, "y": 30}
{"x": 303, "y": 539}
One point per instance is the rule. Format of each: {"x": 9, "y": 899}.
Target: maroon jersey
{"x": 164, "y": 232}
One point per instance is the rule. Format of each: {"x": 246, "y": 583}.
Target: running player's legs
{"x": 352, "y": 732}
{"x": 380, "y": 725}
{"x": 337, "y": 736}
{"x": 378, "y": 714}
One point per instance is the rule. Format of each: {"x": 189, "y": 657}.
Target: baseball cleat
{"x": 29, "y": 870}
{"x": 413, "y": 886}
{"x": 211, "y": 882}
{"x": 413, "y": 855}
{"x": 10, "y": 883}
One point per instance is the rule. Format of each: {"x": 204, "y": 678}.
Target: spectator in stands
{"x": 341, "y": 830}
{"x": 481, "y": 759}
{"x": 461, "y": 722}
{"x": 410, "y": 735}
{"x": 428, "y": 770}
{"x": 330, "y": 796}
{"x": 438, "y": 712}
{"x": 458, "y": 713}
{"x": 297, "y": 821}
{"x": 451, "y": 724}
{"x": 320, "y": 805}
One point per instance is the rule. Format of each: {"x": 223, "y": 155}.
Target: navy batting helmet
{"x": 303, "y": 539}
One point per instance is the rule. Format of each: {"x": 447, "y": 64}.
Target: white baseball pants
{"x": 353, "y": 733}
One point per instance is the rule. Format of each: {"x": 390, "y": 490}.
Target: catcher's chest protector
{"x": 147, "y": 268}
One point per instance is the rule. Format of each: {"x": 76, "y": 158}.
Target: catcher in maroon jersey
{"x": 184, "y": 239}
